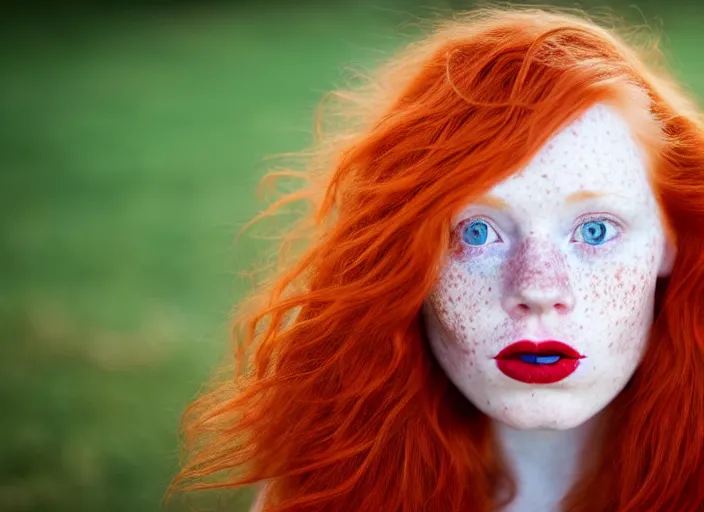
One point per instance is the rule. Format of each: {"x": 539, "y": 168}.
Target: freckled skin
{"x": 538, "y": 279}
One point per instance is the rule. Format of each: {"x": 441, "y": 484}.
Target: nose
{"x": 537, "y": 281}
{"x": 539, "y": 301}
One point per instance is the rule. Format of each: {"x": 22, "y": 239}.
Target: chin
{"x": 544, "y": 423}
{"x": 541, "y": 414}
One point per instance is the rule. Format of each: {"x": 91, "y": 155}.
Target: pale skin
{"x": 258, "y": 504}
{"x": 569, "y": 249}
{"x": 531, "y": 270}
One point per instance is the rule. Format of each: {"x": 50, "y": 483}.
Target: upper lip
{"x": 551, "y": 347}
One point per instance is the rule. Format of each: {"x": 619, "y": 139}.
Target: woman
{"x": 501, "y": 302}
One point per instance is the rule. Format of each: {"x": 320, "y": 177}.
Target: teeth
{"x": 538, "y": 359}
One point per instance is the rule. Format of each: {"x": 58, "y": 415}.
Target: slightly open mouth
{"x": 539, "y": 359}
{"x": 538, "y": 362}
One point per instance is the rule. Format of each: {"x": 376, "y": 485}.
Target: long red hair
{"x": 336, "y": 400}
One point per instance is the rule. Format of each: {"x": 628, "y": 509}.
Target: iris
{"x": 594, "y": 232}
{"x": 476, "y": 233}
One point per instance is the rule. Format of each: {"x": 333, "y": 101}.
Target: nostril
{"x": 525, "y": 308}
{"x": 538, "y": 302}
{"x": 561, "y": 308}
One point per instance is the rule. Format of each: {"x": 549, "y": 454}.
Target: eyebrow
{"x": 498, "y": 203}
{"x": 492, "y": 202}
{"x": 583, "y": 196}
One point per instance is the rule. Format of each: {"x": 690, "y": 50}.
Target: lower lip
{"x": 508, "y": 363}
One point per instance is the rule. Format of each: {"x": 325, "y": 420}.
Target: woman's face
{"x": 543, "y": 307}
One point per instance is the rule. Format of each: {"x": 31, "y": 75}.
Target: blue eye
{"x": 477, "y": 233}
{"x": 596, "y": 232}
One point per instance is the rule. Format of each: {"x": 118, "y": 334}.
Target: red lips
{"x": 542, "y": 362}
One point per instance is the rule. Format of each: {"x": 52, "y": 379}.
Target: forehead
{"x": 595, "y": 153}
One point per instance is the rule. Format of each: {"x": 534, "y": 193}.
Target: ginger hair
{"x": 336, "y": 400}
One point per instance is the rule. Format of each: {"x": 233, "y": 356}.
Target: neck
{"x": 544, "y": 463}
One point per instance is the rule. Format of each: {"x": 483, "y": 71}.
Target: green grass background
{"x": 131, "y": 143}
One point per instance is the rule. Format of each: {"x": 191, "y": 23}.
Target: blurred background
{"x": 132, "y": 138}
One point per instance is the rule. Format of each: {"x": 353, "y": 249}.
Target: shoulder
{"x": 259, "y": 497}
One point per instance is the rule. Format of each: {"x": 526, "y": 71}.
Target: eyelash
{"x": 580, "y": 222}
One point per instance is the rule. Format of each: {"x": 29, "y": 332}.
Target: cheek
{"x": 616, "y": 305}
{"x": 462, "y": 301}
